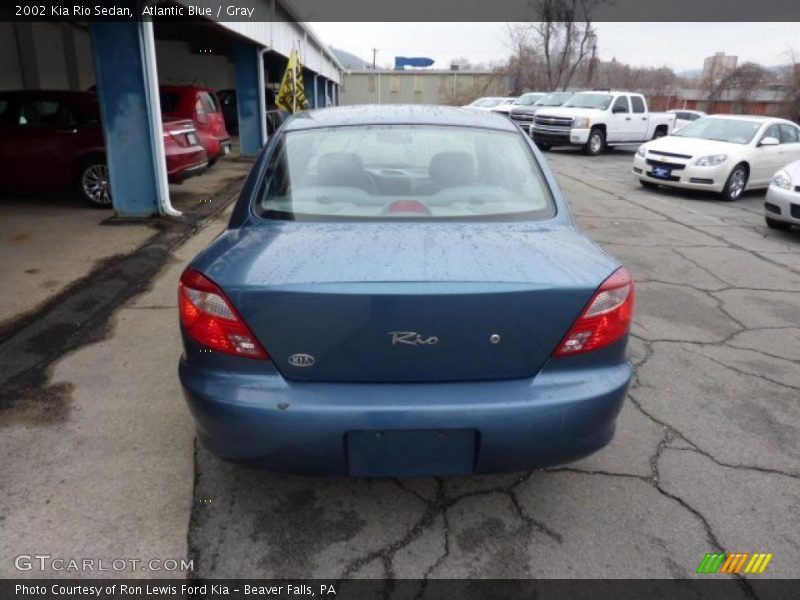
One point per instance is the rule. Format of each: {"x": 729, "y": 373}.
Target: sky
{"x": 682, "y": 46}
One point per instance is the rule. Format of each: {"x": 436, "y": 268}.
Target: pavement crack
{"x": 434, "y": 508}
{"x": 667, "y": 217}
{"x": 530, "y": 522}
{"x": 746, "y": 373}
{"x": 676, "y": 434}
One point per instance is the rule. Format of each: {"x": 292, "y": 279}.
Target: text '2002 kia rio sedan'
{"x": 402, "y": 291}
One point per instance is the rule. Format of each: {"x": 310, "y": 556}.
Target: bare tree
{"x": 548, "y": 53}
{"x": 525, "y": 66}
{"x": 566, "y": 37}
{"x": 792, "y": 90}
{"x": 617, "y": 75}
{"x": 737, "y": 84}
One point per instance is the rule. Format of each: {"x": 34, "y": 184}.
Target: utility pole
{"x": 374, "y": 54}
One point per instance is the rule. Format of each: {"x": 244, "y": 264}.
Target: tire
{"x": 94, "y": 183}
{"x": 544, "y": 147}
{"x": 648, "y": 184}
{"x": 780, "y": 225}
{"x": 736, "y": 184}
{"x": 659, "y": 133}
{"x": 596, "y": 143}
{"x": 212, "y": 161}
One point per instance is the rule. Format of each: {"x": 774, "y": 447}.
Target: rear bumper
{"x": 188, "y": 172}
{"x": 183, "y": 163}
{"x": 561, "y": 415}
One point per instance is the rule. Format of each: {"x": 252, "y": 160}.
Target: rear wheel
{"x": 544, "y": 147}
{"x": 659, "y": 133}
{"x": 734, "y": 186}
{"x": 596, "y": 142}
{"x": 94, "y": 183}
{"x": 773, "y": 224}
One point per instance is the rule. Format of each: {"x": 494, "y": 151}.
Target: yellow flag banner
{"x": 291, "y": 95}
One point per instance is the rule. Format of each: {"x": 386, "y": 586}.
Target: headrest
{"x": 450, "y": 169}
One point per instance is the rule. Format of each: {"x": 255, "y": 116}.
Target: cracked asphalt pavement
{"x": 98, "y": 459}
{"x": 706, "y": 456}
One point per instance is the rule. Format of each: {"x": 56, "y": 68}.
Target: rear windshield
{"x": 388, "y": 172}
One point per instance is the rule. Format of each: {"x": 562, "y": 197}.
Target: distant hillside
{"x": 698, "y": 73}
{"x": 350, "y": 61}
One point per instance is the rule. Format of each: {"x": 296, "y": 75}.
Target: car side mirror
{"x": 769, "y": 141}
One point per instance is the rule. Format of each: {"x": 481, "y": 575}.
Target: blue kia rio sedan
{"x": 402, "y": 291}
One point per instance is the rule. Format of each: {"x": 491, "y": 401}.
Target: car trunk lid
{"x": 406, "y": 302}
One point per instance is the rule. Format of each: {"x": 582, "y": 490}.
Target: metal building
{"x": 421, "y": 86}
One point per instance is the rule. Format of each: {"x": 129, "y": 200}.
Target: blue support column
{"x": 248, "y": 67}
{"x": 308, "y": 86}
{"x": 122, "y": 69}
{"x": 319, "y": 89}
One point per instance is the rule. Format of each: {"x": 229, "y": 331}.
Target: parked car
{"x": 684, "y": 117}
{"x": 504, "y": 107}
{"x": 230, "y": 111}
{"x": 524, "y": 113}
{"x": 53, "y": 140}
{"x": 782, "y": 208}
{"x": 489, "y": 103}
{"x": 722, "y": 153}
{"x": 598, "y": 120}
{"x": 522, "y": 110}
{"x": 344, "y": 324}
{"x": 201, "y": 106}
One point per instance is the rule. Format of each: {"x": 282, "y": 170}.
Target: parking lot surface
{"x": 705, "y": 457}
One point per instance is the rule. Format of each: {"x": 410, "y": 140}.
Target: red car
{"x": 54, "y": 140}
{"x": 201, "y": 106}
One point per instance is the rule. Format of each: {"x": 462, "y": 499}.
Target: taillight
{"x": 209, "y": 318}
{"x": 606, "y": 318}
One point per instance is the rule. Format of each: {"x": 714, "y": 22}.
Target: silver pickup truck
{"x": 599, "y": 119}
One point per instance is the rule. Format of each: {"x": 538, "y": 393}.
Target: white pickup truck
{"x": 599, "y": 119}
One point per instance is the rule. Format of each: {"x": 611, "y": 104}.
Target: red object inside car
{"x": 408, "y": 206}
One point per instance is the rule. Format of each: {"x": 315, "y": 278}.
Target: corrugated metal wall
{"x": 420, "y": 87}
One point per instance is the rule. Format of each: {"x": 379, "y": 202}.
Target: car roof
{"x": 399, "y": 114}
{"x": 757, "y": 118}
{"x": 609, "y": 92}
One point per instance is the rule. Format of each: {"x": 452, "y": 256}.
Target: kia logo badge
{"x": 301, "y": 360}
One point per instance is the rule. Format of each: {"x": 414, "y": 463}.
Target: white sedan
{"x": 722, "y": 153}
{"x": 489, "y": 103}
{"x": 782, "y": 208}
